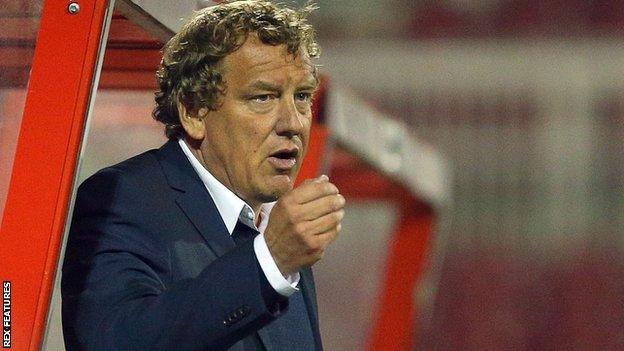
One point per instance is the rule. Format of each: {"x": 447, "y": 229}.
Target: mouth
{"x": 284, "y": 159}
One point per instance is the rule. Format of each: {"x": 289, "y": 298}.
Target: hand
{"x": 303, "y": 223}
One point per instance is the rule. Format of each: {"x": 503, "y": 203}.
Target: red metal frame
{"x": 395, "y": 313}
{"x": 36, "y": 209}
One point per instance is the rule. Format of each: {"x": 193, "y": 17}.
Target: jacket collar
{"x": 193, "y": 198}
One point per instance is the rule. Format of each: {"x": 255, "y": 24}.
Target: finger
{"x": 322, "y": 178}
{"x": 313, "y": 190}
{"x": 322, "y": 240}
{"x": 322, "y": 206}
{"x": 324, "y": 223}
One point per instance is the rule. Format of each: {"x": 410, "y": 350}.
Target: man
{"x": 164, "y": 250}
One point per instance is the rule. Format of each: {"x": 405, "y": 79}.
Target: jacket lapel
{"x": 308, "y": 291}
{"x": 193, "y": 198}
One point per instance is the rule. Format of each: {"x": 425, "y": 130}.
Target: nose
{"x": 290, "y": 120}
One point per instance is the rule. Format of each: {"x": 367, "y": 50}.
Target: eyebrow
{"x": 311, "y": 84}
{"x": 264, "y": 85}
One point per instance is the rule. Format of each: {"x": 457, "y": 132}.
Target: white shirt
{"x": 232, "y": 209}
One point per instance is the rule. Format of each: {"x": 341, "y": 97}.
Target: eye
{"x": 304, "y": 97}
{"x": 264, "y": 98}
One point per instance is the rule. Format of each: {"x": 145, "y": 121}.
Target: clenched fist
{"x": 303, "y": 223}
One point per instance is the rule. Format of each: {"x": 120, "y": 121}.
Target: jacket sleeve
{"x": 116, "y": 290}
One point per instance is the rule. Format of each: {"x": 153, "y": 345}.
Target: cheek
{"x": 305, "y": 136}
{"x": 252, "y": 149}
{"x": 254, "y": 144}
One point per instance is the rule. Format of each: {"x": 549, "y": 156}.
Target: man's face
{"x": 255, "y": 142}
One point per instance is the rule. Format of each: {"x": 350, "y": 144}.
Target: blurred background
{"x": 523, "y": 98}
{"x": 526, "y": 100}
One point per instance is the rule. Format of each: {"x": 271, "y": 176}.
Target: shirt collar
{"x": 230, "y": 206}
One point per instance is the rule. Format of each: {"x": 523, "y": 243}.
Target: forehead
{"x": 256, "y": 60}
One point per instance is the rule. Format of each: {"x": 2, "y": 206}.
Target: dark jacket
{"x": 150, "y": 265}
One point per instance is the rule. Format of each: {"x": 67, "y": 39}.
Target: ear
{"x": 193, "y": 123}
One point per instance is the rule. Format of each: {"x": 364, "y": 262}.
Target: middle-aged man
{"x": 204, "y": 244}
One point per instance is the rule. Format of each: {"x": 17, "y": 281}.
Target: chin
{"x": 271, "y": 196}
{"x": 277, "y": 188}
